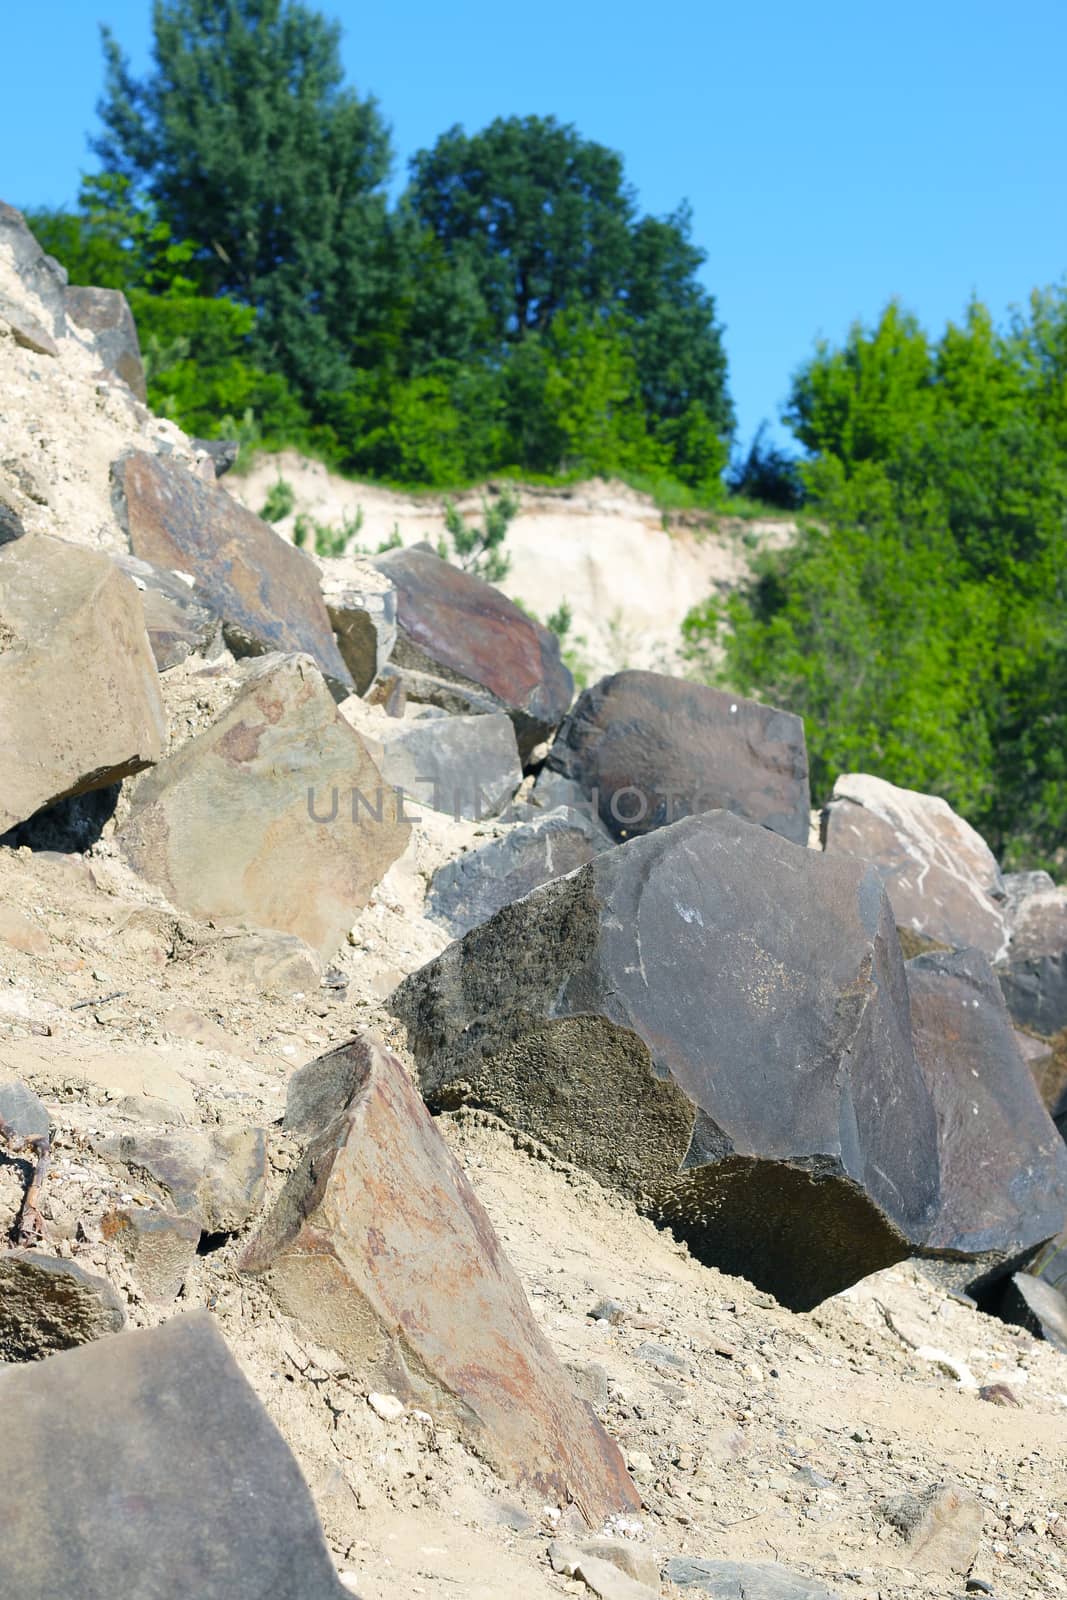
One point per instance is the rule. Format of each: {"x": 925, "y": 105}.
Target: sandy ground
{"x": 601, "y": 547}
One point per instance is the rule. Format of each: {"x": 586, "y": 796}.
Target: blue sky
{"x": 834, "y": 154}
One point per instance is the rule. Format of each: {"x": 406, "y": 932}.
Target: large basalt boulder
{"x": 466, "y": 647}
{"x": 177, "y": 623}
{"x": 162, "y": 1475}
{"x": 1003, "y": 1164}
{"x": 40, "y": 275}
{"x": 942, "y": 877}
{"x": 266, "y": 592}
{"x": 1034, "y": 973}
{"x": 106, "y": 316}
{"x": 80, "y": 707}
{"x": 380, "y": 1249}
{"x": 469, "y": 890}
{"x": 714, "y": 1021}
{"x": 255, "y": 822}
{"x": 649, "y": 750}
{"x": 466, "y": 767}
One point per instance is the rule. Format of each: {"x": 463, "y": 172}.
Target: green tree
{"x": 246, "y": 141}
{"x": 918, "y": 622}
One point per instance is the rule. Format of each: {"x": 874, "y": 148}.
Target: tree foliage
{"x": 918, "y": 623}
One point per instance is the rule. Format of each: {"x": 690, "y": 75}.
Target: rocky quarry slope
{"x": 460, "y": 1139}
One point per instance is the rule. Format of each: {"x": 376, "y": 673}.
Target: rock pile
{"x": 806, "y": 1058}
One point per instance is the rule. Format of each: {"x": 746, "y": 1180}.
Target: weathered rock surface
{"x": 48, "y": 1305}
{"x": 942, "y": 878}
{"x": 1034, "y": 974}
{"x": 464, "y": 646}
{"x": 1003, "y": 1163}
{"x": 379, "y": 1248}
{"x": 25, "y": 329}
{"x": 105, "y": 314}
{"x": 215, "y": 1176}
{"x": 79, "y": 693}
{"x": 941, "y": 1527}
{"x": 466, "y": 767}
{"x": 266, "y": 592}
{"x": 362, "y": 612}
{"x": 161, "y": 1472}
{"x": 11, "y": 524}
{"x": 229, "y": 826}
{"x": 159, "y": 1246}
{"x": 176, "y": 622}
{"x": 714, "y": 1021}
{"x": 604, "y": 1578}
{"x": 650, "y": 750}
{"x": 40, "y": 275}
{"x": 469, "y": 890}
{"x": 222, "y": 453}
{"x": 744, "y": 1580}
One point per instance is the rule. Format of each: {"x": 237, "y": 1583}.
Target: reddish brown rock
{"x": 252, "y": 823}
{"x": 466, "y": 647}
{"x": 159, "y": 1245}
{"x": 1003, "y": 1164}
{"x": 379, "y": 1248}
{"x": 266, "y": 592}
{"x": 649, "y": 750}
{"x": 942, "y": 878}
{"x": 105, "y": 314}
{"x": 80, "y": 707}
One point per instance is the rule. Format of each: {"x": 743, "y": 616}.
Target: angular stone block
{"x": 466, "y": 767}
{"x": 380, "y": 1250}
{"x": 462, "y": 645}
{"x": 649, "y": 750}
{"x": 942, "y": 877}
{"x": 469, "y": 890}
{"x": 80, "y": 707}
{"x": 251, "y": 823}
{"x": 176, "y": 622}
{"x": 47, "y": 1305}
{"x": 1003, "y": 1164}
{"x": 162, "y": 1475}
{"x": 266, "y": 592}
{"x": 714, "y": 1021}
{"x": 106, "y": 316}
{"x": 1034, "y": 974}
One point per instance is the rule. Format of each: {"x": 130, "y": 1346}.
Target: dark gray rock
{"x": 161, "y": 1473}
{"x": 1034, "y": 976}
{"x": 266, "y": 592}
{"x": 1003, "y": 1163}
{"x": 466, "y": 767}
{"x": 47, "y": 1305}
{"x": 472, "y": 888}
{"x": 23, "y": 1112}
{"x": 216, "y": 1175}
{"x": 106, "y": 316}
{"x": 650, "y": 749}
{"x": 744, "y": 1580}
{"x": 464, "y": 646}
{"x": 223, "y": 453}
{"x": 715, "y": 1022}
{"x": 42, "y": 275}
{"x": 178, "y": 624}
